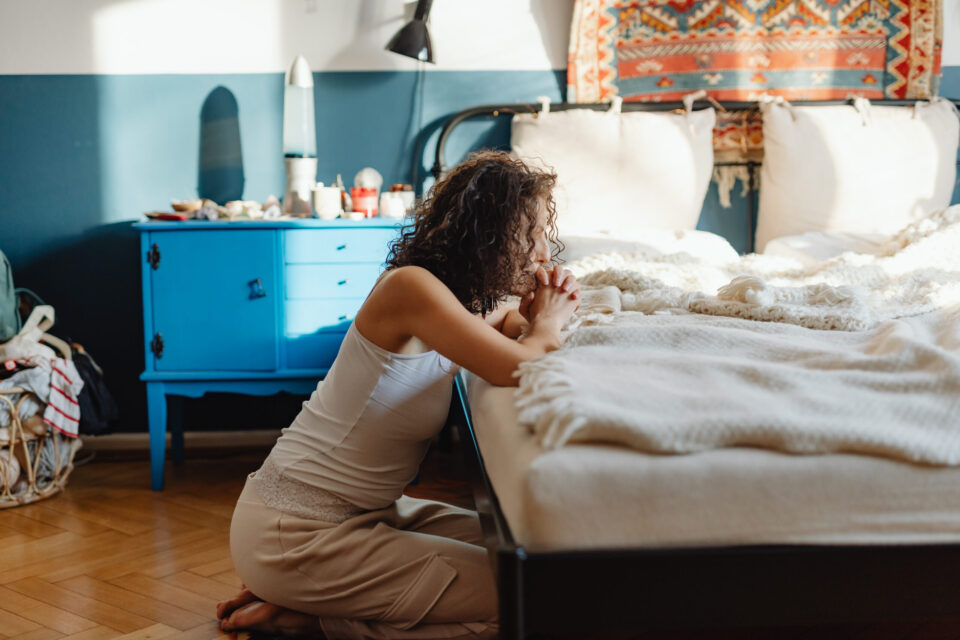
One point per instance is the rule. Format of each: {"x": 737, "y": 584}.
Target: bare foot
{"x": 270, "y": 618}
{"x": 227, "y": 607}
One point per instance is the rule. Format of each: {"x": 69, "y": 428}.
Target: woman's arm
{"x": 411, "y": 301}
{"x": 513, "y": 324}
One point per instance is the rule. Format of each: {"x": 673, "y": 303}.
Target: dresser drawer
{"x": 332, "y": 280}
{"x": 337, "y": 245}
{"x": 333, "y": 315}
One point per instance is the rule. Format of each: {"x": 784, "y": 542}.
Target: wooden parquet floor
{"x": 109, "y": 558}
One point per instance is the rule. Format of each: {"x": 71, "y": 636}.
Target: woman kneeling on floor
{"x": 322, "y": 536}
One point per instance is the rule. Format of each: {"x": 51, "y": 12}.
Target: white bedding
{"x": 813, "y": 247}
{"x": 588, "y": 493}
{"x": 915, "y": 271}
{"x": 682, "y": 384}
{"x": 596, "y": 496}
{"x": 657, "y": 241}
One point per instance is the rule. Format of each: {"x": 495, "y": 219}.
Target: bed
{"x": 593, "y": 529}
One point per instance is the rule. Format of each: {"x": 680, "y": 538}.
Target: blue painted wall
{"x": 950, "y": 83}
{"x": 81, "y": 156}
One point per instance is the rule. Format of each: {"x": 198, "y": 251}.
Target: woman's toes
{"x": 271, "y": 618}
{"x": 226, "y": 607}
{"x": 252, "y": 615}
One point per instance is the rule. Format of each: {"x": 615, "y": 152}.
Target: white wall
{"x": 263, "y": 36}
{"x": 951, "y": 33}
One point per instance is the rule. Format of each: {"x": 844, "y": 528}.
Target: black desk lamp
{"x": 413, "y": 40}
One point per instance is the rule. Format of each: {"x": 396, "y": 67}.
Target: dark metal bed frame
{"x": 637, "y": 589}
{"x": 439, "y": 165}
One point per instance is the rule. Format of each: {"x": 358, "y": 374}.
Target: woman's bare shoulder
{"x": 409, "y": 281}
{"x": 394, "y": 310}
{"x": 408, "y": 274}
{"x": 408, "y": 290}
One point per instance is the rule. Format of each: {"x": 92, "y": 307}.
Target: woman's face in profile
{"x": 540, "y": 254}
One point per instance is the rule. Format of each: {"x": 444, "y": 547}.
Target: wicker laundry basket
{"x": 35, "y": 459}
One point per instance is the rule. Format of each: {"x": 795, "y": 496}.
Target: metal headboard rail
{"x": 439, "y": 166}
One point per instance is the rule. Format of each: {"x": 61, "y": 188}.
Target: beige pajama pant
{"x": 416, "y": 569}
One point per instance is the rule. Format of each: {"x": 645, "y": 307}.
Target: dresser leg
{"x": 175, "y": 427}
{"x": 157, "y": 419}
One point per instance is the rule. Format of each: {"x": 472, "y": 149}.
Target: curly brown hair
{"x": 475, "y": 229}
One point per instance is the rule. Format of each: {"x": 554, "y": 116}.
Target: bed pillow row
{"x": 858, "y": 169}
{"x": 620, "y": 172}
{"x": 862, "y": 169}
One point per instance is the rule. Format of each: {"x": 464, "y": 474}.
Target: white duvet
{"x": 684, "y": 366}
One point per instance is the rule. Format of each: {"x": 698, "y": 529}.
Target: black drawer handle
{"x": 343, "y": 282}
{"x": 342, "y": 246}
{"x": 256, "y": 289}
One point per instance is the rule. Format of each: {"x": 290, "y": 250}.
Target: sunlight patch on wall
{"x": 263, "y": 36}
{"x": 185, "y": 36}
{"x": 951, "y": 33}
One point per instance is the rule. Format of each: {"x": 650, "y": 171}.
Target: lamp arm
{"x": 423, "y": 8}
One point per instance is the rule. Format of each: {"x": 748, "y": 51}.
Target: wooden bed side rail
{"x": 496, "y": 532}
{"x": 599, "y": 591}
{"x": 611, "y": 591}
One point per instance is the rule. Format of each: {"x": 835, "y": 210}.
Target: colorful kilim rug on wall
{"x": 742, "y": 49}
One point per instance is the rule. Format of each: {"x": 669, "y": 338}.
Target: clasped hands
{"x": 556, "y": 296}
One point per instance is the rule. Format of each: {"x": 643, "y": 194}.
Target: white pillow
{"x": 700, "y": 244}
{"x": 621, "y": 172}
{"x": 865, "y": 169}
{"x": 813, "y": 247}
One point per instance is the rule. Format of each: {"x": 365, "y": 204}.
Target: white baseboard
{"x": 191, "y": 439}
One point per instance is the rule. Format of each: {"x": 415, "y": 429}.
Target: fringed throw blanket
{"x": 697, "y": 375}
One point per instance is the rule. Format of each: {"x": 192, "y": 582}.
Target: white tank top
{"x": 367, "y": 426}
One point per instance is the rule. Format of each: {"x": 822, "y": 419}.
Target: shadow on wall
{"x": 220, "y": 164}
{"x": 95, "y": 292}
{"x": 75, "y": 175}
{"x": 50, "y": 161}
{"x": 51, "y": 224}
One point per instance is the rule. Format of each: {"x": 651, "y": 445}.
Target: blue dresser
{"x": 248, "y": 307}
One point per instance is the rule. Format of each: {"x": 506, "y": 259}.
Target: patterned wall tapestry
{"x": 741, "y": 49}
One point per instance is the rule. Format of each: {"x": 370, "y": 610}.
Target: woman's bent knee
{"x": 255, "y": 545}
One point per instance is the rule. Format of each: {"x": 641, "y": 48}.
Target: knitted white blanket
{"x": 677, "y": 381}
{"x": 918, "y": 270}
